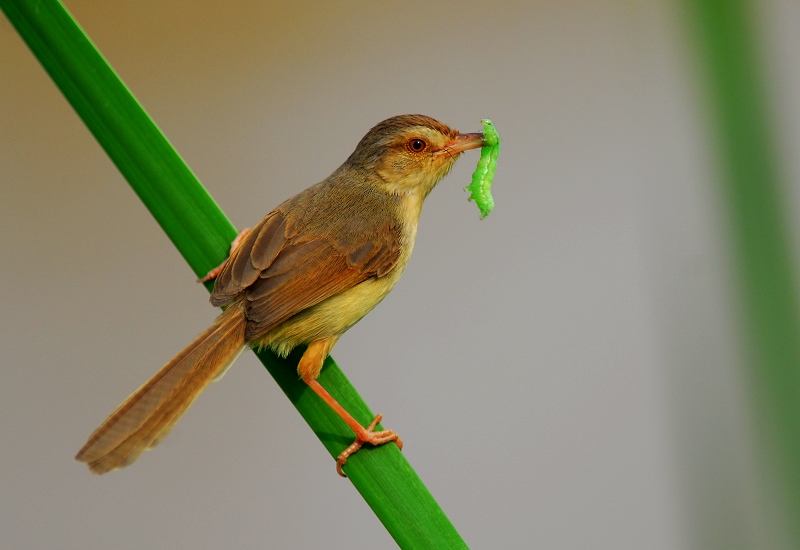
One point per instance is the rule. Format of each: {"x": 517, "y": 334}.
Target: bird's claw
{"x": 367, "y": 436}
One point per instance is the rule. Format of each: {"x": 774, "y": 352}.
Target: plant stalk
{"x": 202, "y": 234}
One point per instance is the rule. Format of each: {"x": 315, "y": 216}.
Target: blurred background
{"x": 573, "y": 371}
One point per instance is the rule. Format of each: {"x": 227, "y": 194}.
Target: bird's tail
{"x": 144, "y": 419}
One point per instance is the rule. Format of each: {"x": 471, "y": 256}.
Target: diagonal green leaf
{"x": 202, "y": 234}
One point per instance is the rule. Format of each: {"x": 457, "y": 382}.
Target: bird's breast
{"x": 335, "y": 315}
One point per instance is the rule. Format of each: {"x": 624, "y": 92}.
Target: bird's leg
{"x": 363, "y": 435}
{"x": 309, "y": 368}
{"x": 214, "y": 272}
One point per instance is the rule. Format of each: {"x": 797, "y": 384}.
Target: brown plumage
{"x": 310, "y": 270}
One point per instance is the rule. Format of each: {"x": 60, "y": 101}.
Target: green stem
{"x": 202, "y": 234}
{"x": 755, "y": 189}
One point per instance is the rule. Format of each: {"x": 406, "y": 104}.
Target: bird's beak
{"x": 463, "y": 142}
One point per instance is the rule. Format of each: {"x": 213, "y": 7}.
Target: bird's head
{"x": 411, "y": 153}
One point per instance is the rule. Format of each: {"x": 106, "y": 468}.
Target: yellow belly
{"x": 331, "y": 317}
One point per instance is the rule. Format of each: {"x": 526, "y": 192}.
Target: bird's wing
{"x": 279, "y": 276}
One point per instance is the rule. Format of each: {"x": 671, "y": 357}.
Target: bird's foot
{"x": 214, "y": 272}
{"x": 367, "y": 435}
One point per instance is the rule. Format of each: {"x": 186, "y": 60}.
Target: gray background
{"x": 564, "y": 373}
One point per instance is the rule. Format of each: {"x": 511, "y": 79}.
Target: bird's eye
{"x": 417, "y": 145}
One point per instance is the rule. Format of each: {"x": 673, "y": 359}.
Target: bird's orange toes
{"x": 367, "y": 435}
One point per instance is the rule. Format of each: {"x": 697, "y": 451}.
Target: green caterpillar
{"x": 481, "y": 187}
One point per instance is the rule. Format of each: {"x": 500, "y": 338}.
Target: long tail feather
{"x": 149, "y": 414}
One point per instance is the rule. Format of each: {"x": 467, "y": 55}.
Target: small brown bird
{"x": 310, "y": 270}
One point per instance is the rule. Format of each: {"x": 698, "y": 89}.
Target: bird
{"x": 306, "y": 273}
